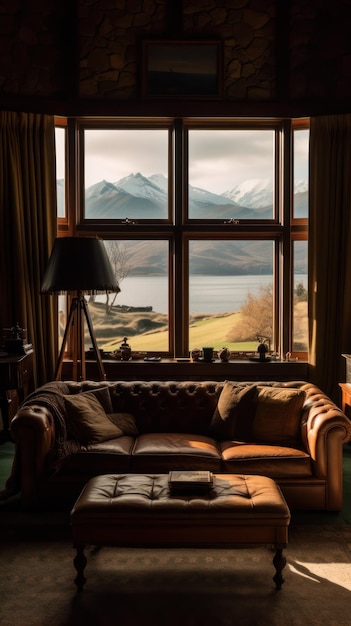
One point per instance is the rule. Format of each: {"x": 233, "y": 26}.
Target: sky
{"x": 219, "y": 160}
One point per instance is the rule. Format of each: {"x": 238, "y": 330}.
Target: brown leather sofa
{"x": 291, "y": 432}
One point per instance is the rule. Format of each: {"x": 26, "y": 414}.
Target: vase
{"x": 224, "y": 354}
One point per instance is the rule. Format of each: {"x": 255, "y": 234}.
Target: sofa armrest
{"x": 33, "y": 431}
{"x": 324, "y": 420}
{"x": 327, "y": 430}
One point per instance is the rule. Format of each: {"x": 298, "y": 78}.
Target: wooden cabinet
{"x": 346, "y": 398}
{"x": 16, "y": 373}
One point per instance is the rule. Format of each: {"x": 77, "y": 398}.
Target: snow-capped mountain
{"x": 140, "y": 187}
{"x": 255, "y": 193}
{"x": 136, "y": 196}
{"x": 300, "y": 186}
{"x": 196, "y": 194}
{"x": 133, "y": 196}
{"x": 139, "y": 197}
{"x": 160, "y": 180}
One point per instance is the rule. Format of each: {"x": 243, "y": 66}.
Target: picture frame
{"x": 181, "y": 69}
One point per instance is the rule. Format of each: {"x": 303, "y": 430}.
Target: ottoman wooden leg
{"x": 80, "y": 562}
{"x": 279, "y": 562}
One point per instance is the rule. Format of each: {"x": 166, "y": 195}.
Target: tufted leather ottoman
{"x": 139, "y": 510}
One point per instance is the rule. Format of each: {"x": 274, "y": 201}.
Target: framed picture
{"x": 181, "y": 69}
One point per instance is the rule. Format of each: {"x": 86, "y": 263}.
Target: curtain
{"x": 27, "y": 231}
{"x": 329, "y": 250}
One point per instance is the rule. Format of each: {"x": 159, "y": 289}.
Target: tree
{"x": 300, "y": 293}
{"x": 256, "y": 317}
{"x": 119, "y": 258}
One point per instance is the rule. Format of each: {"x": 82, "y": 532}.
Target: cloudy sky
{"x": 219, "y": 160}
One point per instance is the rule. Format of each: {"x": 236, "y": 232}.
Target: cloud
{"x": 218, "y": 159}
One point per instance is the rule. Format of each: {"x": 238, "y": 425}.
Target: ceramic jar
{"x": 224, "y": 354}
{"x": 196, "y": 354}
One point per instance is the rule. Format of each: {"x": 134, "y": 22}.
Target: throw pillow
{"x": 278, "y": 415}
{"x": 104, "y": 397}
{"x": 87, "y": 419}
{"x": 233, "y": 405}
{"x": 124, "y": 421}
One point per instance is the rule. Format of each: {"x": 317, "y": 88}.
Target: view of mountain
{"x": 139, "y": 197}
{"x": 254, "y": 193}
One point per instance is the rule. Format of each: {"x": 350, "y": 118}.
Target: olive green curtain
{"x": 329, "y": 250}
{"x": 27, "y": 231}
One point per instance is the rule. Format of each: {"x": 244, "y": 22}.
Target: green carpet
{"x": 6, "y": 457}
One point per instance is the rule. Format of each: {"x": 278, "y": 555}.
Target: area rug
{"x": 178, "y": 587}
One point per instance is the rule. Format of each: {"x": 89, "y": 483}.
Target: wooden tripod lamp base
{"x": 78, "y": 314}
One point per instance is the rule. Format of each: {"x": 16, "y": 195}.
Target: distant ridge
{"x": 139, "y": 197}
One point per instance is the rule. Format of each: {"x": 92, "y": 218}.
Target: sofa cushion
{"x": 105, "y": 457}
{"x": 164, "y": 452}
{"x": 274, "y": 461}
{"x": 234, "y": 405}
{"x": 277, "y": 415}
{"x": 87, "y": 419}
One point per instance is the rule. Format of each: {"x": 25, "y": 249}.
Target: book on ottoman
{"x": 199, "y": 480}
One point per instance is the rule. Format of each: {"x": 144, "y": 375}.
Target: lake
{"x": 208, "y": 294}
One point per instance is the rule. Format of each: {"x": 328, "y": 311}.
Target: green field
{"x": 212, "y": 331}
{"x": 208, "y": 331}
{"x": 148, "y": 331}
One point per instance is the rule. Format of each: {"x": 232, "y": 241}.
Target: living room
{"x": 278, "y": 69}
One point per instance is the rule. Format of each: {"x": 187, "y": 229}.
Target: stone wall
{"x": 32, "y": 48}
{"x": 91, "y": 49}
{"x": 320, "y": 50}
{"x": 110, "y": 44}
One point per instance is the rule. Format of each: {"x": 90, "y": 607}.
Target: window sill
{"x": 171, "y": 369}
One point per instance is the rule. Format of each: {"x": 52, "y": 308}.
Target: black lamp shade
{"x": 79, "y": 264}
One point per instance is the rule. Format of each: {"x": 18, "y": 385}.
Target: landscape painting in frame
{"x": 174, "y": 69}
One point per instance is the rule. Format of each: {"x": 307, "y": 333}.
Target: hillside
{"x": 148, "y": 331}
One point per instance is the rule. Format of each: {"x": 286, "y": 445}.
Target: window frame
{"x": 127, "y": 124}
{"x": 224, "y": 124}
{"x": 178, "y": 228}
{"x": 62, "y": 123}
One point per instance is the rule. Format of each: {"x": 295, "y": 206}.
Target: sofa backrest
{"x": 158, "y": 406}
{"x": 169, "y": 406}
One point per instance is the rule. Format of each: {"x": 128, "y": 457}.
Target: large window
{"x": 230, "y": 293}
{"x": 300, "y": 177}
{"x": 60, "y": 141}
{"x": 231, "y": 173}
{"x": 299, "y": 330}
{"x": 140, "y": 311}
{"x": 125, "y": 173}
{"x": 205, "y": 222}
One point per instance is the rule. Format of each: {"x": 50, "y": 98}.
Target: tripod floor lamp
{"x": 79, "y": 266}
